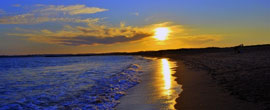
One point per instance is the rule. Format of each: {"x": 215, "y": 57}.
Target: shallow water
{"x": 158, "y": 89}
{"x": 95, "y": 82}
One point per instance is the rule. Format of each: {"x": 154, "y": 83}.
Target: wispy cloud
{"x": 91, "y": 40}
{"x": 32, "y": 19}
{"x": 52, "y": 13}
{"x": 200, "y": 39}
{"x": 73, "y": 9}
{"x": 90, "y": 35}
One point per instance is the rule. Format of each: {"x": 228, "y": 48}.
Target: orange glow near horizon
{"x": 162, "y": 33}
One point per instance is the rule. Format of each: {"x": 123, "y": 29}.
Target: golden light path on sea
{"x": 166, "y": 71}
{"x": 158, "y": 89}
{"x": 169, "y": 89}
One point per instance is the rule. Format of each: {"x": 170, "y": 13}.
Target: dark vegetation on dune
{"x": 243, "y": 71}
{"x": 159, "y": 53}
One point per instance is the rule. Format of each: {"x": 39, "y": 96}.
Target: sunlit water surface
{"x": 158, "y": 89}
{"x": 168, "y": 87}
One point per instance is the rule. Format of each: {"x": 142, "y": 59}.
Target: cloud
{"x": 96, "y": 34}
{"x": 74, "y": 9}
{"x": 92, "y": 40}
{"x": 89, "y": 35}
{"x": 52, "y": 13}
{"x": 32, "y": 19}
{"x": 200, "y": 39}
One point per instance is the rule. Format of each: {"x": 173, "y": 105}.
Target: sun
{"x": 161, "y": 33}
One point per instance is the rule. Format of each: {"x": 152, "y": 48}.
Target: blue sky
{"x": 72, "y": 26}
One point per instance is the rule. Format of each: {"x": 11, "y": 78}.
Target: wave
{"x": 103, "y": 95}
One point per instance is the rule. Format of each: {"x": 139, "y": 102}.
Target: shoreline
{"x": 200, "y": 90}
{"x": 243, "y": 75}
{"x": 157, "y": 90}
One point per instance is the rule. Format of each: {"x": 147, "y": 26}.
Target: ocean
{"x": 77, "y": 83}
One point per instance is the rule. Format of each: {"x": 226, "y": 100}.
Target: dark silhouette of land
{"x": 159, "y": 53}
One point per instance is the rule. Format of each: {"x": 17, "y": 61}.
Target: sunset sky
{"x": 97, "y": 26}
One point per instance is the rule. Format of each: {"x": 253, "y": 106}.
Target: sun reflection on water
{"x": 166, "y": 71}
{"x": 169, "y": 89}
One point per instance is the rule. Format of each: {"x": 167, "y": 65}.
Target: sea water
{"x": 158, "y": 89}
{"x": 87, "y": 83}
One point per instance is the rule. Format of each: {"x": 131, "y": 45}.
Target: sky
{"x": 100, "y": 26}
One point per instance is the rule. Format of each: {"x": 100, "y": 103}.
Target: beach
{"x": 200, "y": 92}
{"x": 222, "y": 79}
{"x": 217, "y": 78}
{"x": 182, "y": 79}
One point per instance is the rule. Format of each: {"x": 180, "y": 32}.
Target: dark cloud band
{"x": 91, "y": 40}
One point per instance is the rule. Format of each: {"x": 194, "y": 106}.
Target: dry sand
{"x": 200, "y": 92}
{"x": 224, "y": 80}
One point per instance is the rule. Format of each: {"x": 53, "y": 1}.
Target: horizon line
{"x": 115, "y": 53}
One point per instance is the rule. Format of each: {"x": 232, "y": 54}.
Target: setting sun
{"x": 161, "y": 33}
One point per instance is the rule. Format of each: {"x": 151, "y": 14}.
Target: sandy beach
{"x": 200, "y": 92}
{"x": 224, "y": 80}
